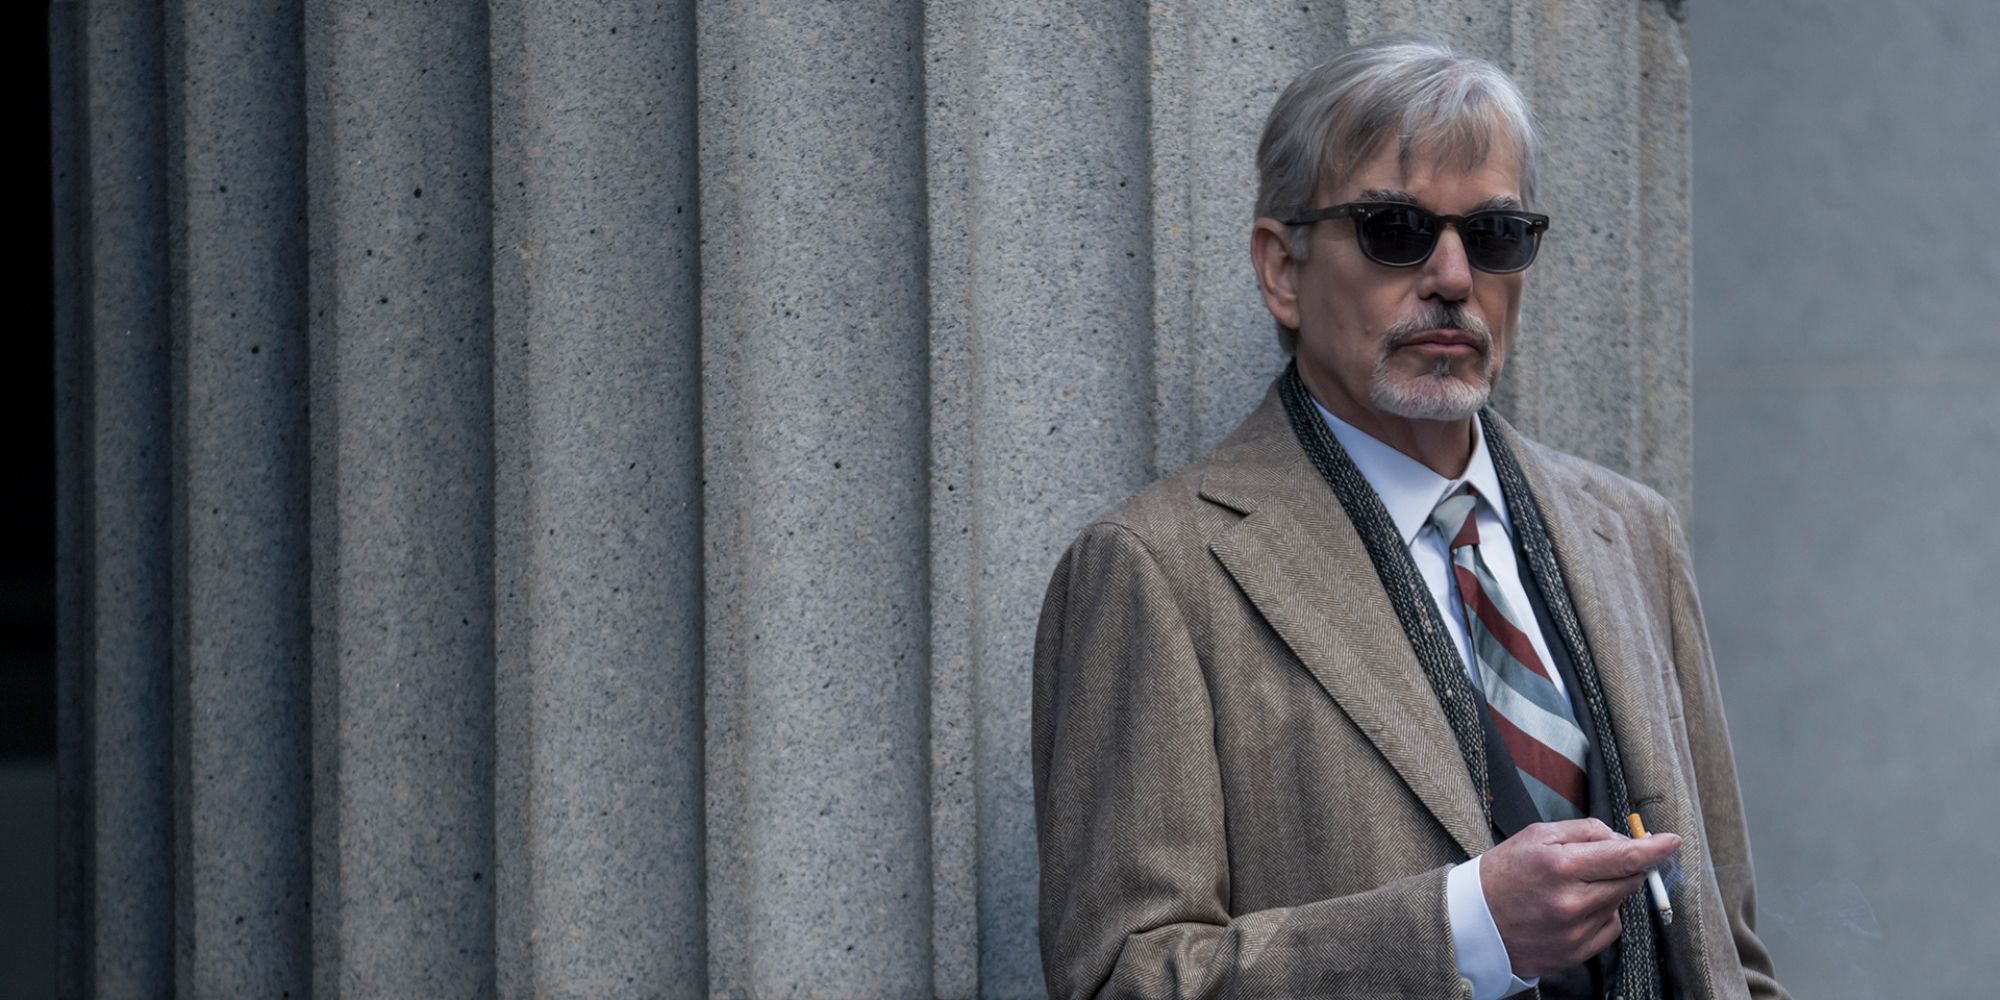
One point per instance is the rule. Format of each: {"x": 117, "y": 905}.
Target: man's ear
{"x": 1277, "y": 270}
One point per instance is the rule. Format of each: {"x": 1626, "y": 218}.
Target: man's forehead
{"x": 1490, "y": 160}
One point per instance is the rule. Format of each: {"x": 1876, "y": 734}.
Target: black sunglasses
{"x": 1396, "y": 234}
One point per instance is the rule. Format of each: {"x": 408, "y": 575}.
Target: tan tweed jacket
{"x": 1244, "y": 786}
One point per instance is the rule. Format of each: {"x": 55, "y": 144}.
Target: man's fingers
{"x": 1572, "y": 831}
{"x": 1606, "y": 894}
{"x": 1601, "y": 937}
{"x": 1618, "y": 858}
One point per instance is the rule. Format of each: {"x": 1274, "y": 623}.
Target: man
{"x": 1352, "y": 706}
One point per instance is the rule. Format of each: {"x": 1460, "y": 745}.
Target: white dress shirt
{"x": 1409, "y": 491}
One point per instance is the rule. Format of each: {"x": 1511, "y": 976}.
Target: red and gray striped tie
{"x": 1532, "y": 716}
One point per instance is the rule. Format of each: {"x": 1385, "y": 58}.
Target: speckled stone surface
{"x": 954, "y": 811}
{"x": 242, "y": 800}
{"x": 815, "y": 450}
{"x": 1042, "y": 309}
{"x": 1847, "y": 370}
{"x": 127, "y": 662}
{"x": 597, "y": 382}
{"x": 1216, "y": 70}
{"x": 402, "y": 470}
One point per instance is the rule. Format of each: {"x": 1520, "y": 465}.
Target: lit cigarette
{"x": 1653, "y": 883}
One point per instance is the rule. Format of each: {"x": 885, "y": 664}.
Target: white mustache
{"x": 1445, "y": 318}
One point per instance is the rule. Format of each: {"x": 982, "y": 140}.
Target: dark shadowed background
{"x": 27, "y": 547}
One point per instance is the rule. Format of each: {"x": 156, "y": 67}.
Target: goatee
{"x": 1437, "y": 394}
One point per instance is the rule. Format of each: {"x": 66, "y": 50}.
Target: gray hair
{"x": 1335, "y": 116}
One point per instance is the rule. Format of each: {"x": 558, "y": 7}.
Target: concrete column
{"x": 1659, "y": 435}
{"x": 816, "y": 442}
{"x": 402, "y": 507}
{"x": 127, "y": 656}
{"x": 1215, "y": 73}
{"x": 242, "y": 793}
{"x": 597, "y": 382}
{"x": 1043, "y": 399}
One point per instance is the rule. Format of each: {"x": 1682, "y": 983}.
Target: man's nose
{"x": 1447, "y": 274}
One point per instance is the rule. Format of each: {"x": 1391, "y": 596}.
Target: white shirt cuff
{"x": 1482, "y": 956}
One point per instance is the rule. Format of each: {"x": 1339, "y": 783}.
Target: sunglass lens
{"x": 1498, "y": 242}
{"x": 1398, "y": 235}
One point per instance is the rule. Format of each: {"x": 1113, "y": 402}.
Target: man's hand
{"x": 1554, "y": 889}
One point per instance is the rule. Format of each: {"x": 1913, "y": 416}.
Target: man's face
{"x": 1421, "y": 343}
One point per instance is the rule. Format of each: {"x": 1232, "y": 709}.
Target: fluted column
{"x": 597, "y": 383}
{"x": 1215, "y": 73}
{"x": 1603, "y": 367}
{"x": 402, "y": 505}
{"x": 1043, "y": 369}
{"x": 242, "y": 613}
{"x": 816, "y": 445}
{"x": 126, "y": 888}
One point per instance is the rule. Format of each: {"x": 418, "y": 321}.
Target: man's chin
{"x": 1430, "y": 397}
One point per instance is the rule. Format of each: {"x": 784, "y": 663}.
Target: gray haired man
{"x": 1359, "y": 704}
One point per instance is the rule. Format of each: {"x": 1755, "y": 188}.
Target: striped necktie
{"x": 1533, "y": 718}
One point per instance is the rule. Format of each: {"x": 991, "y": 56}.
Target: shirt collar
{"x": 1408, "y": 488}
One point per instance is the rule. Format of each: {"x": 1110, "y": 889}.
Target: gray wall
{"x": 1847, "y": 457}
{"x": 557, "y": 503}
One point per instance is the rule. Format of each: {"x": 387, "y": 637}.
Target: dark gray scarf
{"x": 1638, "y": 967}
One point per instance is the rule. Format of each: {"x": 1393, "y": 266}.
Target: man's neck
{"x": 1443, "y": 446}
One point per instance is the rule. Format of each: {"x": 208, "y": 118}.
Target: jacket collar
{"x": 1411, "y": 490}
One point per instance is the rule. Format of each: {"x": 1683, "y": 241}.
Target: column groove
{"x": 242, "y": 613}
{"x": 815, "y": 448}
{"x": 127, "y": 660}
{"x": 597, "y": 376}
{"x": 1058, "y": 323}
{"x": 402, "y": 427}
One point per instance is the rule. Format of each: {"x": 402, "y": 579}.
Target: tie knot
{"x": 1453, "y": 517}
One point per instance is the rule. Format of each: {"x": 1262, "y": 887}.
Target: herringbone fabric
{"x": 1529, "y": 710}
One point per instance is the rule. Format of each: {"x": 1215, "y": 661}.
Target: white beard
{"x": 1433, "y": 395}
{"x": 1436, "y": 394}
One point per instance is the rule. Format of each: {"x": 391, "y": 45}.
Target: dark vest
{"x": 1513, "y": 809}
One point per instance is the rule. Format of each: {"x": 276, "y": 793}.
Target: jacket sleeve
{"x": 1129, "y": 808}
{"x": 1714, "y": 763}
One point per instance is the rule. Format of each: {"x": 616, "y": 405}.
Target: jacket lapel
{"x": 1592, "y": 544}
{"x": 1301, "y": 564}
